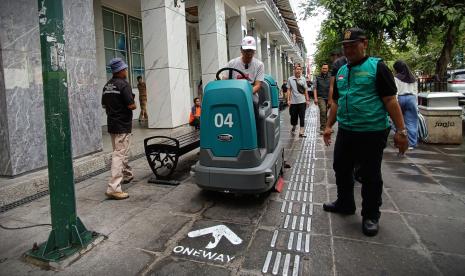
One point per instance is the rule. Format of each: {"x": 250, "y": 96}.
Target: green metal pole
{"x": 68, "y": 233}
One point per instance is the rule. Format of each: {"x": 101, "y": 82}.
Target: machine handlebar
{"x": 230, "y": 72}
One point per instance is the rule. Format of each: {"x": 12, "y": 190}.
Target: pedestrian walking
{"x": 297, "y": 99}
{"x": 284, "y": 89}
{"x": 142, "y": 99}
{"x": 364, "y": 95}
{"x": 407, "y": 91}
{"x": 320, "y": 94}
{"x": 118, "y": 101}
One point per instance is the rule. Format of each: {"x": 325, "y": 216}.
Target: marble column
{"x": 166, "y": 63}
{"x": 22, "y": 121}
{"x": 285, "y": 67}
{"x": 274, "y": 62}
{"x": 279, "y": 66}
{"x": 237, "y": 28}
{"x": 212, "y": 29}
{"x": 265, "y": 48}
{"x": 258, "y": 53}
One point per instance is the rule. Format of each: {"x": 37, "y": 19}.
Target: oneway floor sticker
{"x": 218, "y": 243}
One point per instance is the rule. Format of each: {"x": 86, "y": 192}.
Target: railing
{"x": 276, "y": 12}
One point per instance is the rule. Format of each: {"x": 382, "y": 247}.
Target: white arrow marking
{"x": 217, "y": 232}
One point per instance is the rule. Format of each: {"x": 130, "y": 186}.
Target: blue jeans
{"x": 408, "y": 105}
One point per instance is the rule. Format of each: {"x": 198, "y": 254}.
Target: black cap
{"x": 353, "y": 34}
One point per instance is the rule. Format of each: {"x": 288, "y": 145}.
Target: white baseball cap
{"x": 248, "y": 43}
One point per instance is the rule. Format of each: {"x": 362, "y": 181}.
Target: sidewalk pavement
{"x": 422, "y": 228}
{"x": 35, "y": 185}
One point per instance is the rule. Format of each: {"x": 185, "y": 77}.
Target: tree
{"x": 446, "y": 17}
{"x": 393, "y": 24}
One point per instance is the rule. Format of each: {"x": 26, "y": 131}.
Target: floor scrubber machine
{"x": 238, "y": 152}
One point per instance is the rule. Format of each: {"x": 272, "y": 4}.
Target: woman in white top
{"x": 407, "y": 90}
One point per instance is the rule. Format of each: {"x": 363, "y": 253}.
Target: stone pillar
{"x": 265, "y": 46}
{"x": 258, "y": 53}
{"x": 279, "y": 66}
{"x": 285, "y": 67}
{"x": 274, "y": 62}
{"x": 212, "y": 29}
{"x": 22, "y": 121}
{"x": 166, "y": 63}
{"x": 237, "y": 28}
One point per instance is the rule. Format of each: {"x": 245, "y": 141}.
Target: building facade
{"x": 175, "y": 45}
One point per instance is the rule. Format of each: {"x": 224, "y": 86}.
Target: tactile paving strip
{"x": 297, "y": 206}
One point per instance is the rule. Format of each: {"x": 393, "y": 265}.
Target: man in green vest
{"x": 363, "y": 96}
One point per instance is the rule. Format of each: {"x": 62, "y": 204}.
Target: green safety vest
{"x": 359, "y": 106}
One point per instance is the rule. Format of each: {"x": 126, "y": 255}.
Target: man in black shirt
{"x": 365, "y": 92}
{"x": 337, "y": 62}
{"x": 320, "y": 94}
{"x": 118, "y": 101}
{"x": 284, "y": 89}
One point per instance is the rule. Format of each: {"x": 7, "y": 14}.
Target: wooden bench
{"x": 163, "y": 152}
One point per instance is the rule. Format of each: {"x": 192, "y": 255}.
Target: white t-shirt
{"x": 406, "y": 88}
{"x": 255, "y": 70}
{"x": 296, "y": 97}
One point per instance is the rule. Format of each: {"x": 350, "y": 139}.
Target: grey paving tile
{"x": 95, "y": 191}
{"x": 453, "y": 184}
{"x": 450, "y": 265}
{"x": 149, "y": 230}
{"x": 399, "y": 167}
{"x": 319, "y": 261}
{"x": 256, "y": 254}
{"x": 320, "y": 220}
{"x": 179, "y": 267}
{"x": 440, "y": 234}
{"x": 319, "y": 177}
{"x": 447, "y": 168}
{"x": 273, "y": 215}
{"x": 445, "y": 205}
{"x": 109, "y": 215}
{"x": 406, "y": 182}
{"x": 13, "y": 243}
{"x": 19, "y": 267}
{"x": 147, "y": 194}
{"x": 185, "y": 198}
{"x": 37, "y": 211}
{"x": 361, "y": 258}
{"x": 387, "y": 204}
{"x": 320, "y": 194}
{"x": 393, "y": 231}
{"x": 110, "y": 259}
{"x": 245, "y": 209}
{"x": 330, "y": 177}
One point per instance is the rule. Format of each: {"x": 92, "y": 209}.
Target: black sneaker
{"x": 333, "y": 207}
{"x": 370, "y": 227}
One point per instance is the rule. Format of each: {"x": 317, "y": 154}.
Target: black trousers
{"x": 364, "y": 149}
{"x": 297, "y": 112}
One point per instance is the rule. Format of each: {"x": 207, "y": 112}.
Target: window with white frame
{"x": 119, "y": 30}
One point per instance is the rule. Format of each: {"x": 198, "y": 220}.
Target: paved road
{"x": 156, "y": 231}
